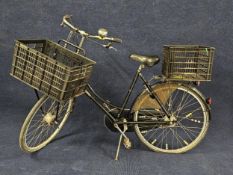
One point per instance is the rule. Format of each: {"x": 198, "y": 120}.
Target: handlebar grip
{"x": 65, "y": 21}
{"x": 117, "y": 40}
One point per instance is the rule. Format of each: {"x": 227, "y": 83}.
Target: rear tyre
{"x": 184, "y": 130}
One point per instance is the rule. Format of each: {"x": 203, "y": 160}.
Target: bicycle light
{"x": 209, "y": 100}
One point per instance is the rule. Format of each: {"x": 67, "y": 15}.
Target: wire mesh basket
{"x": 188, "y": 62}
{"x": 50, "y": 68}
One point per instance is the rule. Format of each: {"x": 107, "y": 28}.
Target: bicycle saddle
{"x": 146, "y": 60}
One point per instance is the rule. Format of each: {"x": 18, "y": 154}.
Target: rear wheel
{"x": 186, "y": 127}
{"x": 43, "y": 123}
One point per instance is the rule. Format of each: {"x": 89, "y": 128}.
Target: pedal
{"x": 127, "y": 143}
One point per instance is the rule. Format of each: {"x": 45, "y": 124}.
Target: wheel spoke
{"x": 183, "y": 103}
{"x": 191, "y": 111}
{"x": 34, "y": 134}
{"x": 192, "y": 129}
{"x": 152, "y": 129}
{"x": 35, "y": 130}
{"x": 193, "y": 119}
{"x": 185, "y": 131}
{"x": 35, "y": 124}
{"x": 163, "y": 137}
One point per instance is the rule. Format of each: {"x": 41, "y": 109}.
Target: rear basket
{"x": 50, "y": 68}
{"x": 188, "y": 62}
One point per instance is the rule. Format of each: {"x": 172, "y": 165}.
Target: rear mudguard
{"x": 143, "y": 100}
{"x": 203, "y": 98}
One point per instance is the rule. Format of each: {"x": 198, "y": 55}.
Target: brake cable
{"x": 107, "y": 46}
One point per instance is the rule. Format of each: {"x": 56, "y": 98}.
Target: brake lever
{"x": 109, "y": 46}
{"x": 115, "y": 49}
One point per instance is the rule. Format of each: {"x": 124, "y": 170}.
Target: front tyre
{"x": 186, "y": 127}
{"x": 42, "y": 124}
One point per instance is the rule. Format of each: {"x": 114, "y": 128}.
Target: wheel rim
{"x": 187, "y": 125}
{"x": 43, "y": 125}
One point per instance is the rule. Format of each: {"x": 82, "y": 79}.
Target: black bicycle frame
{"x": 107, "y": 107}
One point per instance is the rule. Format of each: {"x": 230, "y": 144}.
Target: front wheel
{"x": 43, "y": 123}
{"x": 186, "y": 127}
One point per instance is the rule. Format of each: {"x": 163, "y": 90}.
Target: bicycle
{"x": 168, "y": 116}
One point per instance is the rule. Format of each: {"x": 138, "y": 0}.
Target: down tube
{"x": 100, "y": 102}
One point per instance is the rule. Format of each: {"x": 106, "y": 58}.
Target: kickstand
{"x": 118, "y": 147}
{"x": 126, "y": 141}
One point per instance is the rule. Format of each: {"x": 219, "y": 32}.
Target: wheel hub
{"x": 172, "y": 120}
{"x": 49, "y": 118}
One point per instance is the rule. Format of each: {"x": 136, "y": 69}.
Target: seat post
{"x": 142, "y": 66}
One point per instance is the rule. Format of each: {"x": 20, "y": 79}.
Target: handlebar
{"x": 110, "y": 39}
{"x": 66, "y": 21}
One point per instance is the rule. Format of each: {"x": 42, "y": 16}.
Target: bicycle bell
{"x": 102, "y": 32}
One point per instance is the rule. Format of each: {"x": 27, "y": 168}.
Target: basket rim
{"x": 181, "y": 46}
{"x": 91, "y": 62}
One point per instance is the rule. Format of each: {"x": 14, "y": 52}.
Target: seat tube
{"x": 130, "y": 89}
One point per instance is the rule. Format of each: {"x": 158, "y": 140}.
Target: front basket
{"x": 50, "y": 68}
